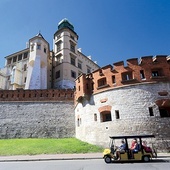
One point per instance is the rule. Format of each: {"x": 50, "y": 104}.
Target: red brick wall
{"x": 36, "y": 95}
{"x": 148, "y": 64}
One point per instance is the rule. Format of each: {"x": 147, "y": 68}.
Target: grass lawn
{"x": 45, "y": 146}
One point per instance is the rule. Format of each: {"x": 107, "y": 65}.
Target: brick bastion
{"x": 125, "y": 100}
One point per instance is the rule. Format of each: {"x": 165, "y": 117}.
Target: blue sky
{"x": 109, "y": 30}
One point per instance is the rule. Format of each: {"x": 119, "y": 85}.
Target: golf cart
{"x": 142, "y": 154}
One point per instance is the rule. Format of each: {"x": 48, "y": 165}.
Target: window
{"x": 20, "y": 57}
{"x": 102, "y": 82}
{"x": 79, "y": 65}
{"x": 72, "y": 37}
{"x": 25, "y": 55}
{"x": 106, "y": 116}
{"x": 9, "y": 61}
{"x": 72, "y": 47}
{"x": 45, "y": 50}
{"x": 57, "y": 75}
{"x": 38, "y": 47}
{"x": 151, "y": 111}
{"x": 127, "y": 76}
{"x": 155, "y": 73}
{"x": 58, "y": 59}
{"x": 32, "y": 47}
{"x": 142, "y": 75}
{"x": 164, "y": 112}
{"x": 73, "y": 62}
{"x": 14, "y": 59}
{"x": 59, "y": 36}
{"x": 25, "y": 79}
{"x": 58, "y": 47}
{"x": 73, "y": 74}
{"x": 117, "y": 114}
{"x": 78, "y": 122}
{"x": 95, "y": 117}
{"x": 25, "y": 67}
{"x": 88, "y": 70}
{"x": 113, "y": 80}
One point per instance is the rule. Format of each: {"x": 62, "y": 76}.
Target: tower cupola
{"x": 65, "y": 24}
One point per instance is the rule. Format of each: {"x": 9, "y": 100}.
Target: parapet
{"x": 146, "y": 69}
{"x": 37, "y": 95}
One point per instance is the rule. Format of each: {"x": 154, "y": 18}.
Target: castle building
{"x": 36, "y": 67}
{"x": 125, "y": 100}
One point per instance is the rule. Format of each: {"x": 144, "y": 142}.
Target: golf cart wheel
{"x": 146, "y": 158}
{"x": 107, "y": 159}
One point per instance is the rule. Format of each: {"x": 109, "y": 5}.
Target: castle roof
{"x": 65, "y": 24}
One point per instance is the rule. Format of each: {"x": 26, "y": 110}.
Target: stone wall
{"x": 37, "y": 119}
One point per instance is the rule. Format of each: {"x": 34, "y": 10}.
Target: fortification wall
{"x": 37, "y": 95}
{"x": 133, "y": 110}
{"x": 37, "y": 119}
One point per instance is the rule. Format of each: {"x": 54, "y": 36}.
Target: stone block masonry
{"x": 37, "y": 119}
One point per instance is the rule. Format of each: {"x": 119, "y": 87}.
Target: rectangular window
{"x": 32, "y": 47}
{"x": 58, "y": 47}
{"x": 57, "y": 75}
{"x": 164, "y": 112}
{"x": 102, "y": 82}
{"x": 151, "y": 111}
{"x": 72, "y": 47}
{"x": 72, "y": 37}
{"x": 79, "y": 65}
{"x": 20, "y": 57}
{"x": 73, "y": 74}
{"x": 117, "y": 114}
{"x": 58, "y": 36}
{"x": 25, "y": 79}
{"x": 106, "y": 116}
{"x": 155, "y": 73}
{"x": 25, "y": 67}
{"x": 113, "y": 80}
{"x": 88, "y": 70}
{"x": 45, "y": 50}
{"x": 14, "y": 59}
{"x": 38, "y": 47}
{"x": 95, "y": 117}
{"x": 25, "y": 55}
{"x": 127, "y": 76}
{"x": 142, "y": 75}
{"x": 73, "y": 62}
{"x": 9, "y": 61}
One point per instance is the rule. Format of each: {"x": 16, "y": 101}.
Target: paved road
{"x": 86, "y": 164}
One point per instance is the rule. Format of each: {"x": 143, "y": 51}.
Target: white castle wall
{"x": 132, "y": 102}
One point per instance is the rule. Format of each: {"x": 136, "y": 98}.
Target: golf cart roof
{"x": 132, "y": 136}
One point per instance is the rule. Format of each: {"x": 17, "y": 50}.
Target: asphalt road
{"x": 87, "y": 164}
